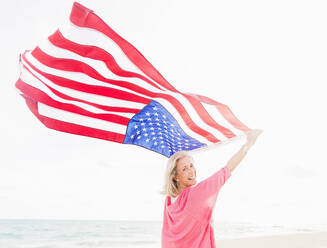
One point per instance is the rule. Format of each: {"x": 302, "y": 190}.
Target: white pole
{"x": 213, "y": 146}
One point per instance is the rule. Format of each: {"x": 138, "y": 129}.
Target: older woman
{"x": 188, "y": 210}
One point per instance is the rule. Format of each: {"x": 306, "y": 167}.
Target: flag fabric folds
{"x": 86, "y": 79}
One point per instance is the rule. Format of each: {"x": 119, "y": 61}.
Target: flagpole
{"x": 224, "y": 142}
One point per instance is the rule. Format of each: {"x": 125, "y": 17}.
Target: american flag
{"x": 87, "y": 80}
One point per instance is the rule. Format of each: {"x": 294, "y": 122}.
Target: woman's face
{"x": 186, "y": 173}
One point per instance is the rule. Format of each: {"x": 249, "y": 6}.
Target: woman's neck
{"x": 180, "y": 189}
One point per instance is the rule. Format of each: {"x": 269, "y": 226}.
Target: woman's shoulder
{"x": 181, "y": 195}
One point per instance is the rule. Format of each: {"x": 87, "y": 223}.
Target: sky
{"x": 266, "y": 60}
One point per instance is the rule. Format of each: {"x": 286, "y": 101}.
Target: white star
{"x": 138, "y": 132}
{"x": 136, "y": 126}
{"x": 158, "y": 124}
{"x": 155, "y": 108}
{"x": 161, "y": 142}
{"x": 164, "y": 121}
{"x": 172, "y": 125}
{"x": 155, "y": 143}
{"x": 157, "y": 119}
{"x": 156, "y": 114}
{"x": 162, "y": 146}
{"x": 144, "y": 129}
{"x": 138, "y": 137}
{"x": 132, "y": 136}
{"x": 147, "y": 113}
{"x": 149, "y": 119}
{"x": 164, "y": 116}
{"x": 147, "y": 140}
{"x": 142, "y": 124}
{"x": 151, "y": 128}
{"x": 153, "y": 133}
{"x": 154, "y": 138}
{"x": 141, "y": 119}
{"x": 150, "y": 123}
{"x": 160, "y": 137}
{"x": 145, "y": 134}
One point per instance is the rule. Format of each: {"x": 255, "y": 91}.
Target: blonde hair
{"x": 170, "y": 187}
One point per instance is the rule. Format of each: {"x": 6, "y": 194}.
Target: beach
{"x": 298, "y": 240}
{"x": 37, "y": 233}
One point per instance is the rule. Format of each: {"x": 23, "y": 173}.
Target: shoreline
{"x": 298, "y": 240}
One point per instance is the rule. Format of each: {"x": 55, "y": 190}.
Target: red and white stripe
{"x": 86, "y": 79}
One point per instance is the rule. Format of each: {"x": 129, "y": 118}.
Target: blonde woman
{"x": 188, "y": 208}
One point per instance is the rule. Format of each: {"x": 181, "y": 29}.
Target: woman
{"x": 187, "y": 220}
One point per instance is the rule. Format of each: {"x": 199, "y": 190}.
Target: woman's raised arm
{"x": 238, "y": 156}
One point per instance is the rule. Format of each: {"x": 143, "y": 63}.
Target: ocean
{"x": 116, "y": 234}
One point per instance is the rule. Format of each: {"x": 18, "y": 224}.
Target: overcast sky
{"x": 265, "y": 59}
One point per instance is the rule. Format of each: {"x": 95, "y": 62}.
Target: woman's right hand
{"x": 252, "y": 136}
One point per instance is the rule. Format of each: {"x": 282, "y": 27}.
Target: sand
{"x": 299, "y": 240}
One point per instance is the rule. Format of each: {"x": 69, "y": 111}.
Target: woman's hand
{"x": 252, "y": 136}
{"x": 237, "y": 157}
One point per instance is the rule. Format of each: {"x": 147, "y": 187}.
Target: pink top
{"x": 187, "y": 222}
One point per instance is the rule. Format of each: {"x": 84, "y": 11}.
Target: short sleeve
{"x": 202, "y": 197}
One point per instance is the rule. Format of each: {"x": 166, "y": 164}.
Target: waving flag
{"x": 87, "y": 80}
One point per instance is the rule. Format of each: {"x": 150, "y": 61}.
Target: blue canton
{"x": 156, "y": 129}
